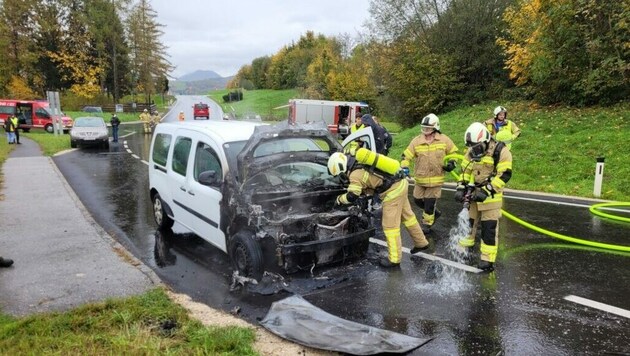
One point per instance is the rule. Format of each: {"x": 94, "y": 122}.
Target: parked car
{"x": 260, "y": 193}
{"x": 89, "y": 131}
{"x": 93, "y": 109}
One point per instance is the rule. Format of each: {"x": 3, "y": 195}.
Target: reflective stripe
{"x": 504, "y": 166}
{"x": 489, "y": 251}
{"x": 498, "y": 197}
{"x": 497, "y": 182}
{"x": 429, "y": 180}
{"x": 365, "y": 178}
{"x": 355, "y": 188}
{"x": 411, "y": 222}
{"x": 408, "y": 154}
{"x": 343, "y": 199}
{"x": 393, "y": 236}
{"x": 402, "y": 188}
{"x": 431, "y": 147}
{"x": 428, "y": 219}
{"x": 468, "y": 241}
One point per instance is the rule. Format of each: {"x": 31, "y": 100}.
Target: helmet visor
{"x": 477, "y": 150}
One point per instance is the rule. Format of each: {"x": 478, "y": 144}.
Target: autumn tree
{"x": 573, "y": 51}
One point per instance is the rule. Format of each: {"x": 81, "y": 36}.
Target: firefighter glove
{"x": 460, "y": 193}
{"x": 405, "y": 171}
{"x": 480, "y": 195}
{"x": 450, "y": 165}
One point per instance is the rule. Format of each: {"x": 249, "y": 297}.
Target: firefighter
{"x": 392, "y": 191}
{"x": 381, "y": 136}
{"x": 502, "y": 129}
{"x": 427, "y": 151}
{"x": 486, "y": 167}
{"x": 145, "y": 117}
{"x": 181, "y": 116}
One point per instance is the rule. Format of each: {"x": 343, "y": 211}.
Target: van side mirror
{"x": 209, "y": 178}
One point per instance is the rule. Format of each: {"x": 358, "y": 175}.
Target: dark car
{"x": 89, "y": 131}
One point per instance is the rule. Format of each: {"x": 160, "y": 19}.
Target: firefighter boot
{"x": 386, "y": 263}
{"x": 5, "y": 262}
{"x": 486, "y": 266}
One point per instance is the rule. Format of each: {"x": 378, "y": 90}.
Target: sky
{"x": 224, "y": 35}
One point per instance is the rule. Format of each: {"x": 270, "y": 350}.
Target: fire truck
{"x": 338, "y": 115}
{"x": 31, "y": 114}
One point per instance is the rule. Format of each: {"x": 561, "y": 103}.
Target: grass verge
{"x": 149, "y": 324}
{"x": 263, "y": 102}
{"x": 49, "y": 143}
{"x": 558, "y": 146}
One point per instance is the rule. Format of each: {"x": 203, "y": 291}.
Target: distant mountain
{"x": 198, "y": 75}
{"x": 198, "y": 87}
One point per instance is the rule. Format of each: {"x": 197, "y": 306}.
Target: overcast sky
{"x": 224, "y": 35}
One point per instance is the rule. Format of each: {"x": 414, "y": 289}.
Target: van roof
{"x": 228, "y": 131}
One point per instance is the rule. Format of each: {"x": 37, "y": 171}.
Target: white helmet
{"x": 498, "y": 110}
{"x": 431, "y": 121}
{"x": 337, "y": 164}
{"x": 476, "y": 133}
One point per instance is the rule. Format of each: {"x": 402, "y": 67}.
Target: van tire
{"x": 73, "y": 144}
{"x": 162, "y": 220}
{"x": 49, "y": 128}
{"x": 246, "y": 255}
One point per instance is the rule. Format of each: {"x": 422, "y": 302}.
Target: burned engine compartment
{"x": 299, "y": 227}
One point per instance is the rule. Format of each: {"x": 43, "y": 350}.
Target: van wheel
{"x": 49, "y": 128}
{"x": 246, "y": 255}
{"x": 159, "y": 214}
{"x": 73, "y": 144}
{"x": 26, "y": 130}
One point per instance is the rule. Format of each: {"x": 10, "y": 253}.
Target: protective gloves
{"x": 450, "y": 165}
{"x": 405, "y": 171}
{"x": 483, "y": 193}
{"x": 460, "y": 192}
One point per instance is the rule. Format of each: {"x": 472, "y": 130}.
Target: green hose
{"x": 595, "y": 209}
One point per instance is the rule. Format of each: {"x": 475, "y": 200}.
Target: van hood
{"x": 250, "y": 164}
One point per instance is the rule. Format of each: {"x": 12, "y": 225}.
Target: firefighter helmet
{"x": 476, "y": 133}
{"x": 498, "y": 110}
{"x": 431, "y": 121}
{"x": 337, "y": 164}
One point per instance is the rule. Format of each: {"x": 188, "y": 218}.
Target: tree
{"x": 573, "y": 51}
{"x": 148, "y": 54}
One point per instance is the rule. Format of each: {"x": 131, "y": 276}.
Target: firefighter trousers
{"x": 489, "y": 221}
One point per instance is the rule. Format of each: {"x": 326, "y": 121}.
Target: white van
{"x": 261, "y": 193}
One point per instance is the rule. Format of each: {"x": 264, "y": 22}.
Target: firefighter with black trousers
{"x": 486, "y": 168}
{"x": 427, "y": 152}
{"x": 392, "y": 190}
{"x": 381, "y": 136}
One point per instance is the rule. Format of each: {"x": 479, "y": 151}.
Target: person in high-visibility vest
{"x": 502, "y": 129}
{"x": 392, "y": 191}
{"x": 486, "y": 167}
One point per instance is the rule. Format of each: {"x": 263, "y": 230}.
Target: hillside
{"x": 198, "y": 87}
{"x": 199, "y": 75}
{"x": 558, "y": 146}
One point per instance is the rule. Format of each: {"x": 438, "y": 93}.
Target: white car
{"x": 260, "y": 193}
{"x": 89, "y": 131}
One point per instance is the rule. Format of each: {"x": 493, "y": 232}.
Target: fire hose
{"x": 594, "y": 209}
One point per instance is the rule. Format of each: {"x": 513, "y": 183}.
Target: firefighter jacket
{"x": 503, "y": 132}
{"x": 145, "y": 117}
{"x": 428, "y": 158}
{"x": 364, "y": 181}
{"x": 494, "y": 168}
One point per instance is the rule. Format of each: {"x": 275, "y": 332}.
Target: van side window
{"x": 181, "y": 152}
{"x": 206, "y": 159}
{"x": 160, "y": 148}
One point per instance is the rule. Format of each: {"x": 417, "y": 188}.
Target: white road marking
{"x": 598, "y": 305}
{"x": 134, "y": 155}
{"x": 145, "y": 162}
{"x": 427, "y": 256}
{"x": 540, "y": 200}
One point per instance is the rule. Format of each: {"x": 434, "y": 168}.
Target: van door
{"x": 205, "y": 199}
{"x": 180, "y": 158}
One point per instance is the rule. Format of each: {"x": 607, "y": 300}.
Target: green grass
{"x": 149, "y": 324}
{"x": 263, "y": 102}
{"x": 49, "y": 143}
{"x": 558, "y": 146}
{"x": 5, "y": 150}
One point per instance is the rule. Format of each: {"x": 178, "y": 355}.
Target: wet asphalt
{"x": 518, "y": 309}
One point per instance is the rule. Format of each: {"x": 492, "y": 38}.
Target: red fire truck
{"x": 31, "y": 114}
{"x": 338, "y": 115}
